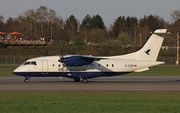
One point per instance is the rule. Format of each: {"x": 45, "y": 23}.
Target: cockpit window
{"x": 30, "y": 63}
{"x": 26, "y": 63}
{"x": 33, "y": 63}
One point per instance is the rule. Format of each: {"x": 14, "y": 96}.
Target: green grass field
{"x": 159, "y": 71}
{"x": 7, "y": 69}
{"x": 90, "y": 102}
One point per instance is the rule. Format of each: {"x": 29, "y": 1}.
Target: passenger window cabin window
{"x": 112, "y": 65}
{"x": 106, "y": 65}
{"x": 63, "y": 65}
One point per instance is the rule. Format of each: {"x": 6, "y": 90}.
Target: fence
{"x": 168, "y": 60}
{"x": 11, "y": 59}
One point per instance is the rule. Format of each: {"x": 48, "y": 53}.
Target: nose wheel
{"x": 27, "y": 79}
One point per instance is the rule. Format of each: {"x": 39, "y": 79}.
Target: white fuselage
{"x": 45, "y": 66}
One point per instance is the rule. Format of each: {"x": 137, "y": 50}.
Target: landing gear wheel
{"x": 77, "y": 80}
{"x": 85, "y": 81}
{"x": 26, "y": 80}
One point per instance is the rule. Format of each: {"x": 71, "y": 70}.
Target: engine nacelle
{"x": 76, "y": 61}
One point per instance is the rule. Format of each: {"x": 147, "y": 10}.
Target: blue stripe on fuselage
{"x": 69, "y": 74}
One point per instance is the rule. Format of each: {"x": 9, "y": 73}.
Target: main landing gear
{"x": 85, "y": 81}
{"x": 81, "y": 79}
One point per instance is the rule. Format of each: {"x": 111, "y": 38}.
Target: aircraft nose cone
{"x": 16, "y": 71}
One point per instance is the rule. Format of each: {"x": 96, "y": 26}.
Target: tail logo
{"x": 147, "y": 51}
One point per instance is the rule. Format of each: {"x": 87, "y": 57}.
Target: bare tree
{"x": 1, "y": 18}
{"x": 42, "y": 14}
{"x": 2, "y": 25}
{"x": 175, "y": 15}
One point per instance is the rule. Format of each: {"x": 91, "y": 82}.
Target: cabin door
{"x": 44, "y": 66}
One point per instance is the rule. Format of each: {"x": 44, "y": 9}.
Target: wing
{"x": 80, "y": 60}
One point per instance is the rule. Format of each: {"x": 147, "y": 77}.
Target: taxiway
{"x": 117, "y": 83}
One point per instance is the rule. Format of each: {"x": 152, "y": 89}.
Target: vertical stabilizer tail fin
{"x": 151, "y": 48}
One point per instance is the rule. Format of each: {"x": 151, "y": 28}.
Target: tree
{"x": 1, "y": 18}
{"x": 13, "y": 25}
{"x": 175, "y": 27}
{"x": 51, "y": 16}
{"x": 2, "y": 25}
{"x": 78, "y": 41}
{"x": 28, "y": 24}
{"x": 127, "y": 25}
{"x": 149, "y": 24}
{"x": 144, "y": 33}
{"x": 42, "y": 15}
{"x": 153, "y": 22}
{"x": 124, "y": 40}
{"x": 86, "y": 22}
{"x": 175, "y": 15}
{"x": 54, "y": 25}
{"x": 132, "y": 27}
{"x": 110, "y": 32}
{"x": 58, "y": 31}
{"x": 40, "y": 23}
{"x": 85, "y": 27}
{"x": 120, "y": 26}
{"x": 71, "y": 26}
{"x": 97, "y": 35}
{"x": 97, "y": 22}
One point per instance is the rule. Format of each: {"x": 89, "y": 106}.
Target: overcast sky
{"x": 109, "y": 10}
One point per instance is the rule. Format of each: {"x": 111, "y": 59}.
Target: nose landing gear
{"x": 27, "y": 79}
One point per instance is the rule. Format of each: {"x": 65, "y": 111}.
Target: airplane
{"x": 84, "y": 67}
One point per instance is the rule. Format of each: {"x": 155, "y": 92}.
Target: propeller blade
{"x": 61, "y": 56}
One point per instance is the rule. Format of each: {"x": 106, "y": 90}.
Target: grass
{"x": 7, "y": 69}
{"x": 90, "y": 102}
{"x": 159, "y": 71}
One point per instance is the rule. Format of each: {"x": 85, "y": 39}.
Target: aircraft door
{"x": 44, "y": 66}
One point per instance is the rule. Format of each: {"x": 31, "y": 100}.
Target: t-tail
{"x": 150, "y": 50}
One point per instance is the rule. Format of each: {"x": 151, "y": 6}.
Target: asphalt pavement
{"x": 106, "y": 84}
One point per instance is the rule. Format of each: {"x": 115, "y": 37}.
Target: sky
{"x": 109, "y": 10}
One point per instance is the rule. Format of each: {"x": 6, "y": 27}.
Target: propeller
{"x": 61, "y": 56}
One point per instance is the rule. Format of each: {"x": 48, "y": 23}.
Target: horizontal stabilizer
{"x": 160, "y": 31}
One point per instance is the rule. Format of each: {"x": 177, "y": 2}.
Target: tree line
{"x": 45, "y": 23}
